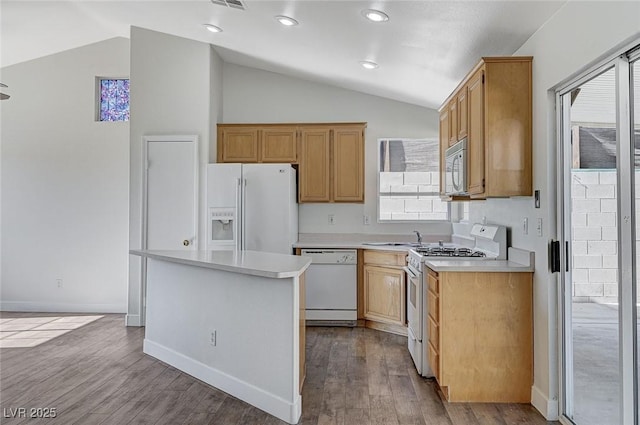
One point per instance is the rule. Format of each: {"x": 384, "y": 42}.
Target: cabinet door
{"x": 384, "y": 294}
{"x": 279, "y": 144}
{"x": 462, "y": 113}
{"x": 475, "y": 134}
{"x": 444, "y": 144}
{"x": 348, "y": 164}
{"x": 238, "y": 144}
{"x": 313, "y": 181}
{"x": 453, "y": 122}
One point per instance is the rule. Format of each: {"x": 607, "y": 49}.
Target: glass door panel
{"x": 591, "y": 308}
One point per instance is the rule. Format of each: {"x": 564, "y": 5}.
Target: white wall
{"x": 577, "y": 35}
{"x": 175, "y": 89}
{"x": 65, "y": 180}
{"x": 253, "y": 95}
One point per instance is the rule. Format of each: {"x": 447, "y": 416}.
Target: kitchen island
{"x": 233, "y": 319}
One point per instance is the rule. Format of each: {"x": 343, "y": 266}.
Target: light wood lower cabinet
{"x": 481, "y": 335}
{"x": 384, "y": 288}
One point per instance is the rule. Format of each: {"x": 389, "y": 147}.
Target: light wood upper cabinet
{"x": 348, "y": 164}
{"x": 238, "y": 144}
{"x": 498, "y": 97}
{"x": 330, "y": 156}
{"x": 462, "y": 113}
{"x": 279, "y": 144}
{"x": 315, "y": 168}
{"x": 444, "y": 144}
{"x": 453, "y": 122}
{"x": 475, "y": 137}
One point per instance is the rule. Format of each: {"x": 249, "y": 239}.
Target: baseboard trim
{"x": 132, "y": 320}
{"x": 270, "y": 403}
{"x": 61, "y": 307}
{"x": 548, "y": 408}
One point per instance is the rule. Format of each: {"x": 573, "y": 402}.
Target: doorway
{"x": 599, "y": 160}
{"x": 170, "y": 198}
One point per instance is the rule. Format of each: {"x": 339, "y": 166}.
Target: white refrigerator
{"x": 252, "y": 207}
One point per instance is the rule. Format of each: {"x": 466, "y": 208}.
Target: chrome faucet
{"x": 419, "y": 236}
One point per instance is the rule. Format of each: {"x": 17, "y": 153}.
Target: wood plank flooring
{"x": 98, "y": 374}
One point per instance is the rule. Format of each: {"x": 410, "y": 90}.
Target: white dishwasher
{"x": 331, "y": 286}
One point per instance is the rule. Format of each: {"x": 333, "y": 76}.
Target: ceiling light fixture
{"x": 375, "y": 15}
{"x": 212, "y": 28}
{"x": 368, "y": 64}
{"x": 286, "y": 21}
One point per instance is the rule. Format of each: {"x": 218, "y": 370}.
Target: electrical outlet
{"x": 59, "y": 283}
{"x": 332, "y": 219}
{"x": 539, "y": 227}
{"x": 213, "y": 338}
{"x": 525, "y": 226}
{"x": 366, "y": 220}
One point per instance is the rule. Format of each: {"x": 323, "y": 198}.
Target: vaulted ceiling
{"x": 423, "y": 50}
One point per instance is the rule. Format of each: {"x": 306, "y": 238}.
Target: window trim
{"x": 97, "y": 90}
{"x": 378, "y": 194}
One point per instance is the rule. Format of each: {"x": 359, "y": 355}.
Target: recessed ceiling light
{"x": 286, "y": 21}
{"x": 369, "y": 64}
{"x": 212, "y": 28}
{"x": 375, "y": 15}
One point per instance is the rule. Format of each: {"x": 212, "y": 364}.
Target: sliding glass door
{"x": 598, "y": 170}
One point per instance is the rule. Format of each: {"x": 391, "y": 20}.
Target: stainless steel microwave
{"x": 455, "y": 181}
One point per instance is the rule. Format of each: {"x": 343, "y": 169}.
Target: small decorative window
{"x": 113, "y": 99}
{"x": 409, "y": 181}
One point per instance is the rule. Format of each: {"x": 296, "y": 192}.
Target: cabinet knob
{"x": 185, "y": 242}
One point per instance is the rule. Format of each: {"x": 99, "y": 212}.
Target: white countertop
{"x": 254, "y": 263}
{"x": 519, "y": 261}
{"x": 363, "y": 241}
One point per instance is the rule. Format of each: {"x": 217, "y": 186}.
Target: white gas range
{"x": 485, "y": 243}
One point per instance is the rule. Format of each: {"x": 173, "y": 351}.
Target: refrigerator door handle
{"x": 237, "y": 230}
{"x": 243, "y": 190}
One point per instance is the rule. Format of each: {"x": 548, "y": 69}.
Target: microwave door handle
{"x": 454, "y": 175}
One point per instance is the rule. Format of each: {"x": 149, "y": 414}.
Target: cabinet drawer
{"x": 434, "y": 333}
{"x": 433, "y": 283}
{"x": 434, "y": 361}
{"x": 385, "y": 258}
{"x": 434, "y": 311}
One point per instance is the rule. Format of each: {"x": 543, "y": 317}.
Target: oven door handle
{"x": 410, "y": 272}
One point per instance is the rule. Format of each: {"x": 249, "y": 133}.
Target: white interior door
{"x": 172, "y": 195}
{"x": 170, "y": 198}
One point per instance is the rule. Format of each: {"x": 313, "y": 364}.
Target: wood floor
{"x": 98, "y": 374}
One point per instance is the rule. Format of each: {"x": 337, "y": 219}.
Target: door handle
{"x": 186, "y": 242}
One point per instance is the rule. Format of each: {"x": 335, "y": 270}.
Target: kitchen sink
{"x": 411, "y": 244}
